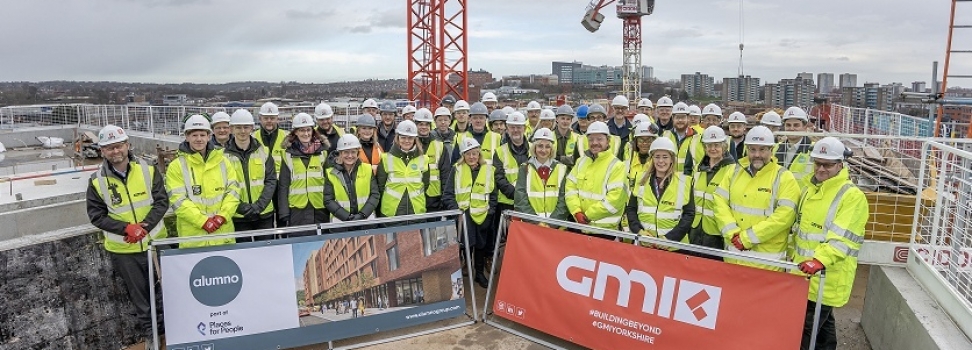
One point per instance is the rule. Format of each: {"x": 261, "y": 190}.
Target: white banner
{"x": 228, "y": 293}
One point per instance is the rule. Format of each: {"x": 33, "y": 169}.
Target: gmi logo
{"x": 215, "y": 281}
{"x": 695, "y": 303}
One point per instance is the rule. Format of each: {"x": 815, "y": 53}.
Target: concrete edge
{"x": 50, "y": 236}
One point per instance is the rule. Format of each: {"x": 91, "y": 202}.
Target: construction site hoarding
{"x": 603, "y": 294}
{"x": 309, "y": 290}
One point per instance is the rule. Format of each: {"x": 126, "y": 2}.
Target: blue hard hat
{"x": 582, "y": 112}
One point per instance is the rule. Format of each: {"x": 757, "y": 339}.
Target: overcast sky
{"x": 211, "y": 41}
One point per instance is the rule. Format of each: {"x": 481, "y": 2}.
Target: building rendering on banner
{"x": 390, "y": 270}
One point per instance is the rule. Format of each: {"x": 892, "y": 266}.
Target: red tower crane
{"x": 629, "y": 11}
{"x": 437, "y": 41}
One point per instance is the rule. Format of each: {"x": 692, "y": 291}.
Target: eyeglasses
{"x": 825, "y": 166}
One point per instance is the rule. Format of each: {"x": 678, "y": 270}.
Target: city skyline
{"x": 209, "y": 41}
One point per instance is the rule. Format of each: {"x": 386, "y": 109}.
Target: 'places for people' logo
{"x": 694, "y": 303}
{"x": 215, "y": 281}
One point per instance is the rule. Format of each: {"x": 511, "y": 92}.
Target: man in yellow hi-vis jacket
{"x": 597, "y": 186}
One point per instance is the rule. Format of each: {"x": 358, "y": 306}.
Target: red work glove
{"x": 210, "y": 226}
{"x": 737, "y": 242}
{"x": 581, "y": 218}
{"x": 219, "y": 220}
{"x": 544, "y": 173}
{"x": 134, "y": 233}
{"x": 811, "y": 266}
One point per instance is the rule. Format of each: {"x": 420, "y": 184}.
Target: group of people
{"x": 671, "y": 172}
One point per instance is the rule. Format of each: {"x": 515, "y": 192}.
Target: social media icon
{"x": 208, "y": 347}
{"x": 520, "y": 313}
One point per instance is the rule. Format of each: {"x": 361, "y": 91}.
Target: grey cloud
{"x": 173, "y": 3}
{"x": 302, "y": 15}
{"x": 360, "y": 29}
{"x": 841, "y": 58}
{"x": 389, "y": 19}
{"x": 693, "y": 32}
{"x": 789, "y": 43}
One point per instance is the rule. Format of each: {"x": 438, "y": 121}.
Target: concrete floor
{"x": 481, "y": 336}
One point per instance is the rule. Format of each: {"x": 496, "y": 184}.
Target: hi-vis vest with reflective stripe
{"x": 491, "y": 142}
{"x": 128, "y": 201}
{"x": 834, "y": 240}
{"x": 705, "y": 188}
{"x": 543, "y": 198}
{"x": 376, "y": 154}
{"x": 306, "y": 181}
{"x": 800, "y": 166}
{"x": 684, "y": 150}
{"x": 434, "y": 152}
{"x": 661, "y": 215}
{"x": 636, "y": 169}
{"x": 403, "y": 178}
{"x": 198, "y": 191}
{"x": 277, "y": 150}
{"x": 251, "y": 187}
{"x": 473, "y": 194}
{"x": 362, "y": 187}
{"x": 510, "y": 167}
{"x": 589, "y": 184}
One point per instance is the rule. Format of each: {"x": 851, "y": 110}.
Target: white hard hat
{"x": 664, "y": 101}
{"x": 241, "y": 117}
{"x": 425, "y": 115}
{"x": 662, "y": 144}
{"x": 533, "y": 106}
{"x": 598, "y": 128}
{"x": 760, "y": 135}
{"x": 544, "y": 134}
{"x": 645, "y": 129}
{"x": 489, "y": 97}
{"x": 407, "y": 128}
{"x": 828, "y": 148}
{"x": 196, "y": 122}
{"x": 640, "y": 118}
{"x": 408, "y": 109}
{"x": 323, "y": 111}
{"x": 468, "y": 143}
{"x": 619, "y": 101}
{"x": 795, "y": 113}
{"x": 737, "y": 117}
{"x": 515, "y": 118}
{"x": 348, "y": 141}
{"x": 302, "y": 120}
{"x": 547, "y": 114}
{"x": 461, "y": 105}
{"x": 269, "y": 109}
{"x": 695, "y": 111}
{"x": 442, "y": 111}
{"x": 712, "y": 109}
{"x": 508, "y": 109}
{"x": 220, "y": 117}
{"x": 369, "y": 103}
{"x": 111, "y": 134}
{"x": 645, "y": 103}
{"x": 713, "y": 134}
{"x": 680, "y": 108}
{"x": 771, "y": 118}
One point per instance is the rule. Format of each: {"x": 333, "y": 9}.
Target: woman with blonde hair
{"x": 662, "y": 205}
{"x": 472, "y": 189}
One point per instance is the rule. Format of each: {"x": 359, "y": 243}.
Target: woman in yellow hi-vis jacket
{"x": 301, "y": 185}
{"x": 540, "y": 180}
{"x": 351, "y": 191}
{"x": 662, "y": 205}
{"x": 472, "y": 189}
{"x": 403, "y": 175}
{"x": 203, "y": 190}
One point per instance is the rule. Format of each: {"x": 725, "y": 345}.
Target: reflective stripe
{"x": 765, "y": 255}
{"x": 393, "y": 193}
{"x": 729, "y": 228}
{"x": 610, "y": 208}
{"x": 804, "y": 252}
{"x": 722, "y": 193}
{"x": 843, "y": 248}
{"x": 786, "y": 203}
{"x": 739, "y": 208}
{"x": 614, "y": 185}
{"x": 121, "y": 238}
{"x": 845, "y": 233}
{"x": 814, "y": 237}
{"x": 610, "y": 220}
{"x": 475, "y": 210}
{"x": 752, "y": 236}
{"x": 306, "y": 190}
{"x": 188, "y": 181}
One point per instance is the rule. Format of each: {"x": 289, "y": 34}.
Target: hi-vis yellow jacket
{"x": 830, "y": 228}
{"x": 760, "y": 208}
{"x": 598, "y": 187}
{"x": 199, "y": 189}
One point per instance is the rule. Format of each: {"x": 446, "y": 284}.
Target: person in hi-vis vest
{"x": 472, "y": 189}
{"x": 126, "y": 200}
{"x": 351, "y": 190}
{"x": 203, "y": 191}
{"x": 540, "y": 180}
{"x": 301, "y": 184}
{"x": 403, "y": 176}
{"x": 258, "y": 182}
{"x": 661, "y": 204}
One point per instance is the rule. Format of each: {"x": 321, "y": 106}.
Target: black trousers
{"x": 482, "y": 241}
{"x": 259, "y": 224}
{"x": 133, "y": 269}
{"x": 826, "y": 328}
{"x": 698, "y": 237}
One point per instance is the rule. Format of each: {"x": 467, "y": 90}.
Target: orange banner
{"x": 609, "y": 295}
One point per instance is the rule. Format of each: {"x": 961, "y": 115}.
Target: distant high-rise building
{"x": 870, "y": 96}
{"x": 601, "y": 75}
{"x": 564, "y": 71}
{"x": 848, "y": 80}
{"x": 647, "y": 72}
{"x": 740, "y": 89}
{"x": 788, "y": 93}
{"x": 476, "y": 80}
{"x": 697, "y": 84}
{"x": 918, "y": 86}
{"x": 825, "y": 83}
{"x": 805, "y": 76}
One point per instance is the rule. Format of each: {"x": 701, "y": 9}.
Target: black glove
{"x": 355, "y": 217}
{"x": 252, "y": 210}
{"x": 243, "y": 208}
{"x": 283, "y": 221}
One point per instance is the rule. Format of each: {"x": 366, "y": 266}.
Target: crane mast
{"x": 630, "y": 13}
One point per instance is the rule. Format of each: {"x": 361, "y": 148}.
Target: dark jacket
{"x": 332, "y": 138}
{"x": 269, "y": 181}
{"x": 405, "y": 205}
{"x": 347, "y": 179}
{"x": 521, "y": 154}
{"x": 623, "y": 131}
{"x": 737, "y": 152}
{"x": 456, "y": 156}
{"x": 684, "y": 224}
{"x": 386, "y": 137}
{"x": 445, "y": 170}
{"x": 297, "y": 216}
{"x": 98, "y": 209}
